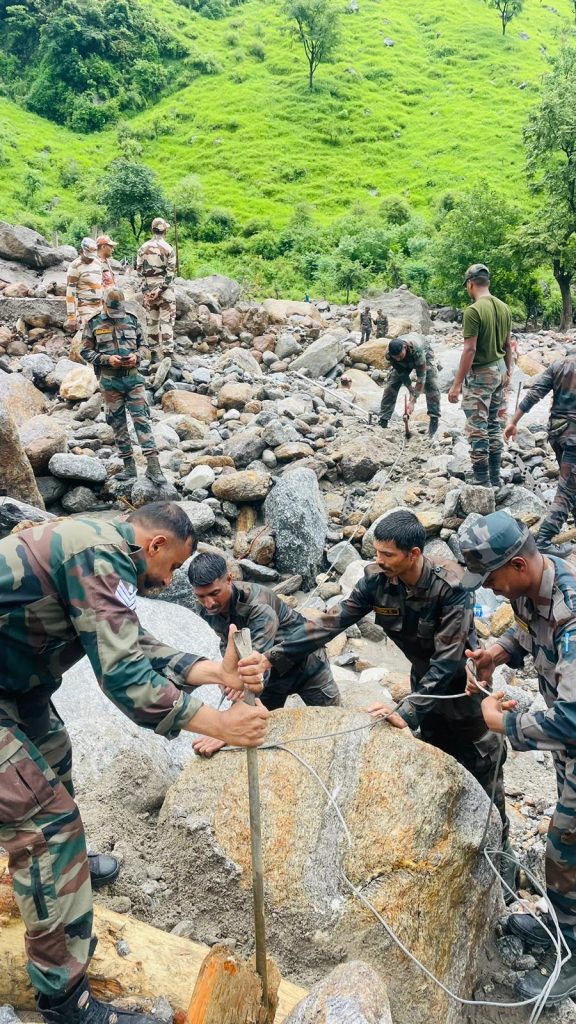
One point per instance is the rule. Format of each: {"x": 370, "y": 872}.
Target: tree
{"x": 550, "y": 140}
{"x": 508, "y": 9}
{"x": 130, "y": 192}
{"x": 317, "y": 28}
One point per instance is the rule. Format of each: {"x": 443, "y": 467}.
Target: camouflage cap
{"x": 395, "y": 347}
{"x": 159, "y": 224}
{"x": 489, "y": 543}
{"x": 105, "y": 240}
{"x": 114, "y": 303}
{"x": 88, "y": 245}
{"x": 476, "y": 270}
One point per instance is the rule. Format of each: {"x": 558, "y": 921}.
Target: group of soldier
{"x": 111, "y": 339}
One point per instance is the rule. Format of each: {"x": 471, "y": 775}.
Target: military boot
{"x": 530, "y": 930}
{"x": 544, "y": 541}
{"x": 433, "y": 426}
{"x": 494, "y": 464}
{"x": 103, "y": 869}
{"x": 480, "y": 474}
{"x": 80, "y": 1007}
{"x": 154, "y": 471}
{"x": 531, "y": 985}
{"x": 383, "y": 422}
{"x": 129, "y": 472}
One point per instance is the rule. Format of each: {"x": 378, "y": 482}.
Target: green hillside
{"x": 439, "y": 110}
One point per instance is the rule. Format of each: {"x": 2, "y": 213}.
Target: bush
{"x": 395, "y": 210}
{"x": 70, "y": 173}
{"x": 219, "y": 224}
{"x": 257, "y": 50}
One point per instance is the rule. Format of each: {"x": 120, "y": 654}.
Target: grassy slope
{"x": 439, "y": 110}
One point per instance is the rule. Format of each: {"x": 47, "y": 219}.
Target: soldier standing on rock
{"x": 381, "y": 324}
{"x": 560, "y": 379}
{"x": 365, "y": 324}
{"x": 83, "y": 286}
{"x": 68, "y": 588}
{"x": 501, "y": 554}
{"x": 105, "y": 250}
{"x": 406, "y": 355}
{"x": 224, "y": 602}
{"x": 485, "y": 366}
{"x": 156, "y": 265}
{"x": 111, "y": 342}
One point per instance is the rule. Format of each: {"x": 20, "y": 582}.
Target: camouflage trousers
{"x": 476, "y": 749}
{"x": 396, "y": 380}
{"x": 561, "y": 848}
{"x": 42, "y": 833}
{"x": 565, "y": 497}
{"x": 312, "y": 680}
{"x": 365, "y": 333}
{"x": 160, "y": 318}
{"x": 484, "y": 405}
{"x": 124, "y": 394}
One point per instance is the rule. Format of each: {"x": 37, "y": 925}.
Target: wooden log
{"x": 229, "y": 991}
{"x": 157, "y": 963}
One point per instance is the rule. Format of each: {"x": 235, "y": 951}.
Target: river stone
{"x": 525, "y": 505}
{"x": 323, "y": 354}
{"x": 20, "y": 398}
{"x": 42, "y": 437}
{"x": 30, "y": 248}
{"x": 37, "y": 367}
{"x": 242, "y": 359}
{"x": 143, "y": 491}
{"x": 50, "y": 489}
{"x": 244, "y": 447}
{"x": 78, "y": 467}
{"x": 352, "y": 992}
{"x": 188, "y": 403}
{"x": 476, "y": 499}
{"x": 201, "y": 476}
{"x": 363, "y": 457}
{"x": 415, "y": 818}
{"x": 247, "y": 485}
{"x": 79, "y": 499}
{"x": 200, "y": 515}
{"x": 78, "y": 384}
{"x": 13, "y": 512}
{"x": 341, "y": 555}
{"x": 234, "y": 396}
{"x": 295, "y": 511}
{"x": 16, "y": 473}
{"x": 402, "y": 304}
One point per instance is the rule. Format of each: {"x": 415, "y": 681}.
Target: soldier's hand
{"x": 493, "y": 710}
{"x": 244, "y": 726}
{"x": 240, "y": 675}
{"x": 232, "y": 695}
{"x": 391, "y": 716}
{"x": 454, "y": 393}
{"x": 115, "y": 362}
{"x": 206, "y": 746}
{"x": 481, "y": 670}
{"x": 510, "y": 431}
{"x": 130, "y": 360}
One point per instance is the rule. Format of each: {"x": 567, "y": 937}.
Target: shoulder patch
{"x": 450, "y": 572}
{"x": 126, "y": 594}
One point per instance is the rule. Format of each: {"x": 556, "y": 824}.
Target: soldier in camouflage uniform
{"x": 223, "y": 601}
{"x": 406, "y": 355}
{"x": 156, "y": 265}
{"x": 501, "y": 554}
{"x": 365, "y": 324}
{"x": 424, "y": 610}
{"x": 560, "y": 379}
{"x": 106, "y": 246}
{"x": 111, "y": 341}
{"x": 83, "y": 285}
{"x": 381, "y": 324}
{"x": 485, "y": 367}
{"x": 68, "y": 588}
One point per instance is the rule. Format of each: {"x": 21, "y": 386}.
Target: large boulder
{"x": 362, "y": 458}
{"x": 215, "y": 291}
{"x": 373, "y": 352}
{"x": 241, "y": 358}
{"x": 42, "y": 437}
{"x": 20, "y": 398}
{"x": 13, "y": 512}
{"x": 295, "y": 511}
{"x": 280, "y": 310}
{"x": 28, "y": 247}
{"x": 415, "y": 820}
{"x": 244, "y": 447}
{"x": 352, "y": 992}
{"x": 50, "y": 312}
{"x": 246, "y": 485}
{"x": 79, "y": 384}
{"x": 402, "y": 304}
{"x": 16, "y": 474}
{"x": 323, "y": 354}
{"x": 78, "y": 467}
{"x": 189, "y": 403}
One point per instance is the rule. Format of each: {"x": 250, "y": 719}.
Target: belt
{"x": 111, "y": 371}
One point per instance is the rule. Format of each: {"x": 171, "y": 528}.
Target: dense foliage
{"x": 80, "y": 62}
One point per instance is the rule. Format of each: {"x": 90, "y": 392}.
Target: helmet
{"x": 159, "y": 224}
{"x": 476, "y": 270}
{"x": 105, "y": 240}
{"x": 88, "y": 245}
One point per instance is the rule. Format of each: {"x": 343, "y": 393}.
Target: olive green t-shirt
{"x": 488, "y": 319}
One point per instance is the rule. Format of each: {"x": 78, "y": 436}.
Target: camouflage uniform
{"x": 108, "y": 275}
{"x": 365, "y": 325}
{"x": 156, "y": 265}
{"x": 483, "y": 394}
{"x": 420, "y": 358}
{"x": 122, "y": 389}
{"x": 68, "y": 588}
{"x": 381, "y": 326}
{"x": 560, "y": 379}
{"x": 432, "y": 623}
{"x": 83, "y": 289}
{"x": 270, "y": 620}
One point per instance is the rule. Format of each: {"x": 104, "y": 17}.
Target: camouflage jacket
{"x": 547, "y": 631}
{"x": 560, "y": 379}
{"x": 103, "y": 337}
{"x": 269, "y": 619}
{"x": 156, "y": 265}
{"x": 382, "y": 326}
{"x": 417, "y": 357}
{"x": 108, "y": 275}
{"x": 83, "y": 285}
{"x": 68, "y": 588}
{"x": 432, "y": 623}
{"x": 366, "y": 318}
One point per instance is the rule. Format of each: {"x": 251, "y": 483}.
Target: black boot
{"x": 154, "y": 471}
{"x": 530, "y": 929}
{"x": 544, "y": 541}
{"x": 80, "y": 1007}
{"x": 480, "y": 474}
{"x": 494, "y": 464}
{"x": 433, "y": 426}
{"x": 383, "y": 422}
{"x": 103, "y": 869}
{"x": 129, "y": 472}
{"x": 531, "y": 984}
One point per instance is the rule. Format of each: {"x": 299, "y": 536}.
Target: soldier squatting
{"x": 68, "y": 588}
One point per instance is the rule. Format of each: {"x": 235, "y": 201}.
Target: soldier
{"x": 424, "y": 610}
{"x": 365, "y": 324}
{"x": 405, "y": 355}
{"x": 83, "y": 286}
{"x": 224, "y": 601}
{"x": 560, "y": 379}
{"x": 106, "y": 248}
{"x": 501, "y": 554}
{"x": 111, "y": 342}
{"x": 381, "y": 324}
{"x": 68, "y": 588}
{"x": 485, "y": 366}
{"x": 156, "y": 265}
